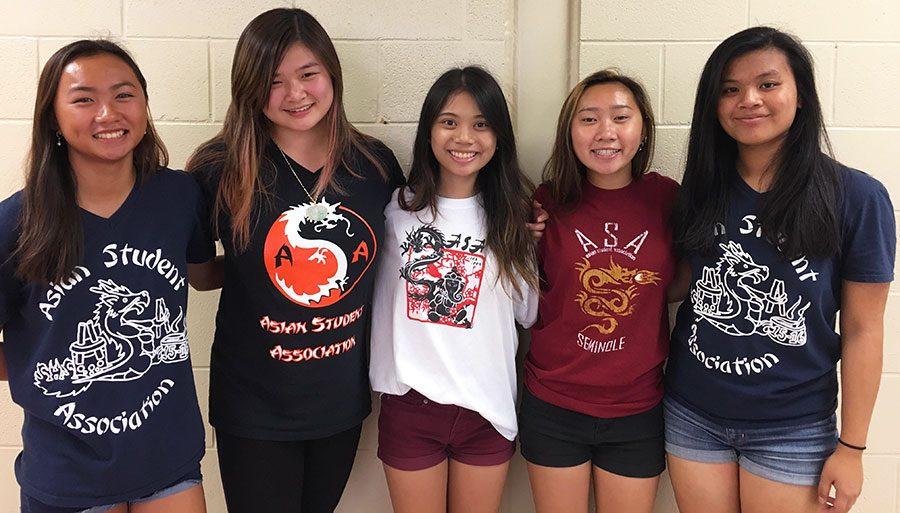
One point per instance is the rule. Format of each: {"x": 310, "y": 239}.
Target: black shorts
{"x": 631, "y": 446}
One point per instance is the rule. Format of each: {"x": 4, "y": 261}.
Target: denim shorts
{"x": 188, "y": 481}
{"x": 791, "y": 454}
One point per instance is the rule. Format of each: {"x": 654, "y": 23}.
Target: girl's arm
{"x": 540, "y": 218}
{"x": 681, "y": 283}
{"x": 4, "y": 376}
{"x": 862, "y": 338}
{"x": 208, "y": 275}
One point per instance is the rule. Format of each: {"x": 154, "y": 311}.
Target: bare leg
{"x": 619, "y": 494}
{"x": 705, "y": 487}
{"x": 475, "y": 489}
{"x": 418, "y": 491}
{"x": 760, "y": 495}
{"x": 560, "y": 490}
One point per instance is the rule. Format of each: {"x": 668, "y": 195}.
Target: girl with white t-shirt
{"x": 457, "y": 271}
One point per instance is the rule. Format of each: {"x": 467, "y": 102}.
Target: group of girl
{"x": 766, "y": 240}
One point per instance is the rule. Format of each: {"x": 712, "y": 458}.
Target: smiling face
{"x": 758, "y": 99}
{"x": 606, "y": 133}
{"x": 463, "y": 143}
{"x": 301, "y": 93}
{"x": 100, "y": 110}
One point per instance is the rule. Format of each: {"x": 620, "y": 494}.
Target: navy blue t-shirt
{"x": 100, "y": 362}
{"x": 755, "y": 342}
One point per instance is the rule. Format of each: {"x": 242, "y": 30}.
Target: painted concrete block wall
{"x": 391, "y": 51}
{"x": 857, "y": 56}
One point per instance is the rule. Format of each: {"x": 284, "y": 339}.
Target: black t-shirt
{"x": 290, "y": 356}
{"x": 755, "y": 342}
{"x": 100, "y": 362}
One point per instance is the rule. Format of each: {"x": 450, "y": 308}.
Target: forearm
{"x": 209, "y": 275}
{"x": 861, "y": 361}
{"x": 4, "y": 376}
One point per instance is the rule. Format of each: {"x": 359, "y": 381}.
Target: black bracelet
{"x": 845, "y": 444}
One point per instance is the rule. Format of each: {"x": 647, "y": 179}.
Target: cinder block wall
{"x": 857, "y": 55}
{"x": 391, "y": 50}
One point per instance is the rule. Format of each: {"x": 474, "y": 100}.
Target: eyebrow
{"x": 612, "y": 107}
{"x": 89, "y": 89}
{"x": 770, "y": 73}
{"x": 305, "y": 66}
{"x": 455, "y": 115}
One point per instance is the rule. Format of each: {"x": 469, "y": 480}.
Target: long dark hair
{"x": 505, "y": 190}
{"x": 563, "y": 172}
{"x": 239, "y": 147}
{"x": 51, "y": 242}
{"x": 799, "y": 212}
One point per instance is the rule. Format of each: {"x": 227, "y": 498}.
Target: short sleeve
{"x": 869, "y": 236}
{"x": 392, "y": 166}
{"x": 201, "y": 247}
{"x": 11, "y": 287}
{"x": 204, "y": 178}
{"x": 526, "y": 305}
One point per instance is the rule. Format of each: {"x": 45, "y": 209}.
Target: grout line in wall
{"x": 123, "y": 4}
{"x": 37, "y": 57}
{"x": 748, "y": 13}
{"x": 574, "y": 46}
{"x": 209, "y": 79}
{"x": 662, "y": 82}
{"x": 834, "y": 81}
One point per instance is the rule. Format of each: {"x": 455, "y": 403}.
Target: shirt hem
{"x": 602, "y": 412}
{"x": 750, "y": 423}
{"x": 85, "y": 502}
{"x": 289, "y": 435}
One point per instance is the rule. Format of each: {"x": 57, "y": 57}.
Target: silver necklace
{"x": 316, "y": 211}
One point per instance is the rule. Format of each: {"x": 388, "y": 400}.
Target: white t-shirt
{"x": 442, "y": 323}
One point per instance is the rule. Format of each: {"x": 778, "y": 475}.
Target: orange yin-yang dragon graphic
{"x": 304, "y": 256}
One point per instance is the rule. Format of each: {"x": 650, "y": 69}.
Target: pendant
{"x": 317, "y": 212}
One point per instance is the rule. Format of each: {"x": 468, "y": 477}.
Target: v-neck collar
{"x": 120, "y": 212}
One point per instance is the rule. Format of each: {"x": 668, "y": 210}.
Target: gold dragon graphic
{"x": 610, "y": 293}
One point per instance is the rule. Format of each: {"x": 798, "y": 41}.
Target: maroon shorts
{"x": 415, "y": 433}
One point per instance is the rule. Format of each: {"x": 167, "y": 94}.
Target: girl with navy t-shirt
{"x": 94, "y": 255}
{"x": 298, "y": 199}
{"x": 778, "y": 238}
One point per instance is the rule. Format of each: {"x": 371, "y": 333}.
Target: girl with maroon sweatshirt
{"x": 593, "y": 374}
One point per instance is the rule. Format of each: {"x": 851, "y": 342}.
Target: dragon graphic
{"x": 728, "y": 296}
{"x": 116, "y": 344}
{"x": 441, "y": 286}
{"x": 323, "y": 216}
{"x": 610, "y": 293}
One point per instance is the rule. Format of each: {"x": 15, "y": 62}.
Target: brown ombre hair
{"x": 239, "y": 149}
{"x": 51, "y": 242}
{"x": 504, "y": 188}
{"x": 563, "y": 172}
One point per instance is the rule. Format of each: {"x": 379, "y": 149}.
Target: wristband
{"x": 857, "y": 447}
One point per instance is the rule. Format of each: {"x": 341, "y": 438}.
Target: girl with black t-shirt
{"x": 298, "y": 197}
{"x": 778, "y": 238}
{"x": 93, "y": 297}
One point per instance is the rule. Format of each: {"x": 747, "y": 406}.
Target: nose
{"x": 605, "y": 131}
{"x": 107, "y": 112}
{"x": 296, "y": 90}
{"x": 750, "y": 98}
{"x": 464, "y": 134}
